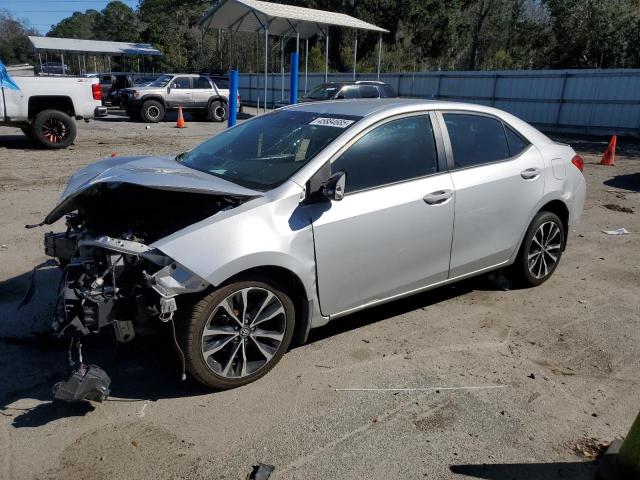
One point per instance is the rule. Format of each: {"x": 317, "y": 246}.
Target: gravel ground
{"x": 566, "y": 356}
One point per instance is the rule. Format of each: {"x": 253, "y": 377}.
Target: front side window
{"x": 181, "y": 83}
{"x": 325, "y": 91}
{"x": 263, "y": 152}
{"x": 162, "y": 81}
{"x": 476, "y": 139}
{"x": 398, "y": 150}
{"x": 349, "y": 92}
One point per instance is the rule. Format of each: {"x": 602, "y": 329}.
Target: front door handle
{"x": 530, "y": 173}
{"x": 436, "y": 198}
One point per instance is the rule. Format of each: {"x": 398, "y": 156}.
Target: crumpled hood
{"x": 163, "y": 173}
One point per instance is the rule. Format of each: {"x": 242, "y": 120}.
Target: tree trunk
{"x": 483, "y": 11}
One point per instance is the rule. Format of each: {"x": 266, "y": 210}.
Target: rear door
{"x": 179, "y": 93}
{"x": 391, "y": 233}
{"x": 202, "y": 91}
{"x": 497, "y": 175}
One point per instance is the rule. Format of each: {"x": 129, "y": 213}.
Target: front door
{"x": 180, "y": 93}
{"x": 391, "y": 233}
{"x": 498, "y": 180}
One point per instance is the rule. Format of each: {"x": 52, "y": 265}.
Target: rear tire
{"x": 540, "y": 251}
{"x": 53, "y": 129}
{"x": 218, "y": 111}
{"x": 234, "y": 354}
{"x": 152, "y": 111}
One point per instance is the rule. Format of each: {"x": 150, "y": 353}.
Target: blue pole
{"x": 233, "y": 98}
{"x": 293, "y": 80}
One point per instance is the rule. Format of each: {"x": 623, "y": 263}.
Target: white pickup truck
{"x": 45, "y": 107}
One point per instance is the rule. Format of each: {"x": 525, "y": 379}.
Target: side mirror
{"x": 334, "y": 189}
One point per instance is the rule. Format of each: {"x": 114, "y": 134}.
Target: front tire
{"x": 53, "y": 129}
{"x": 541, "y": 250}
{"x": 237, "y": 333}
{"x": 152, "y": 111}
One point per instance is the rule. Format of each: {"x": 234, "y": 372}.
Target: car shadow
{"x": 528, "y": 471}
{"x": 386, "y": 311}
{"x": 629, "y": 182}
{"x": 32, "y": 360}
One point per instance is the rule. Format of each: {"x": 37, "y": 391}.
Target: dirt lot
{"x": 566, "y": 356}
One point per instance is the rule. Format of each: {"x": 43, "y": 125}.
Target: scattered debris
{"x": 531, "y": 376}
{"x": 3, "y": 247}
{"x": 618, "y": 208}
{"x": 365, "y": 340}
{"x": 261, "y": 471}
{"x": 590, "y": 448}
{"x": 134, "y": 443}
{"x": 617, "y": 231}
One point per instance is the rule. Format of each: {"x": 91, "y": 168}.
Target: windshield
{"x": 162, "y": 81}
{"x": 264, "y": 152}
{"x": 322, "y": 92}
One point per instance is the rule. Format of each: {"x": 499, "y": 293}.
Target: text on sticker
{"x": 332, "y": 122}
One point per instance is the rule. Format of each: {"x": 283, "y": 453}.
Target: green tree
{"x": 117, "y": 22}
{"x": 79, "y": 25}
{"x": 14, "y": 44}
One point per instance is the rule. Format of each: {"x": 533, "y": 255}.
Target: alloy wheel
{"x": 244, "y": 332}
{"x": 55, "y": 130}
{"x": 544, "y": 250}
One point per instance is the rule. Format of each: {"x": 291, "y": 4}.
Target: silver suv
{"x": 202, "y": 96}
{"x": 304, "y": 215}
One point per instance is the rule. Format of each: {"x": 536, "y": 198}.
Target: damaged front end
{"x": 111, "y": 276}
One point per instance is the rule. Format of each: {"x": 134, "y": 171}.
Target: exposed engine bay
{"x": 110, "y": 276}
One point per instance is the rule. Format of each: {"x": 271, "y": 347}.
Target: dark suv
{"x": 344, "y": 90}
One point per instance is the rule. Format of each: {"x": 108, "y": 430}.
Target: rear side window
{"x": 369, "y": 91}
{"x": 202, "y": 83}
{"x": 476, "y": 139}
{"x": 386, "y": 91}
{"x": 222, "y": 83}
{"x": 516, "y": 143}
{"x": 398, "y": 150}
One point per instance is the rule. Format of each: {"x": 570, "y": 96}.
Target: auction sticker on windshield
{"x": 332, "y": 122}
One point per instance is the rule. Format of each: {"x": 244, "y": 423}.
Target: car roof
{"x": 398, "y": 106}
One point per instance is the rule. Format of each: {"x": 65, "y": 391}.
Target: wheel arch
{"x": 157, "y": 98}
{"x": 40, "y": 103}
{"x": 216, "y": 98}
{"x": 562, "y": 211}
{"x": 293, "y": 286}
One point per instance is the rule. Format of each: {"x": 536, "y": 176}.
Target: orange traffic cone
{"x": 609, "y": 157}
{"x": 180, "y": 123}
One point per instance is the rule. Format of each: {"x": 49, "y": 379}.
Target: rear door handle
{"x": 530, "y": 173}
{"x": 436, "y": 198}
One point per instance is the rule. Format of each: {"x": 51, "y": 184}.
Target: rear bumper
{"x": 100, "y": 112}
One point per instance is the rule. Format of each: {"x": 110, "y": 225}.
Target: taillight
{"x": 578, "y": 162}
{"x": 97, "y": 91}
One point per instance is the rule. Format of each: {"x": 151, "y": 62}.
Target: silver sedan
{"x": 304, "y": 215}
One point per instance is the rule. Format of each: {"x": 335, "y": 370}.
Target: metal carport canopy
{"x": 251, "y": 15}
{"x": 285, "y": 20}
{"x": 93, "y": 46}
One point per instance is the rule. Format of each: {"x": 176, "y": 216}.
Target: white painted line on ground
{"x": 425, "y": 389}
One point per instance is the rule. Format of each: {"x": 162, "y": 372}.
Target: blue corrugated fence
{"x": 572, "y": 101}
